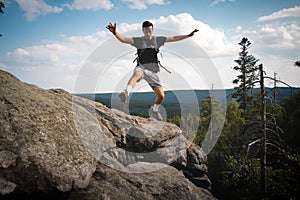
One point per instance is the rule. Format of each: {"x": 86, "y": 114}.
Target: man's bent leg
{"x": 137, "y": 75}
{"x": 160, "y": 95}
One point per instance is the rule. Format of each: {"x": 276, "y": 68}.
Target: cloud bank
{"x": 284, "y": 13}
{"x": 274, "y": 44}
{"x": 35, "y": 8}
{"x": 64, "y": 57}
{"x": 90, "y": 5}
{"x": 143, "y": 4}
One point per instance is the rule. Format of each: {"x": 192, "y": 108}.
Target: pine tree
{"x": 246, "y": 66}
{"x": 211, "y": 123}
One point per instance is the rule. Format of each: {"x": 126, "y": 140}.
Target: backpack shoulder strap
{"x": 155, "y": 42}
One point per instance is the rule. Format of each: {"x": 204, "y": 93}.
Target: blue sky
{"x": 48, "y": 43}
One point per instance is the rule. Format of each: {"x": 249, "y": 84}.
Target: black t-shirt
{"x": 147, "y": 49}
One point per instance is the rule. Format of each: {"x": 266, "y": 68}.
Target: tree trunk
{"x": 264, "y": 135}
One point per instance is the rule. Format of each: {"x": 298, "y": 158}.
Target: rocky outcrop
{"x": 53, "y": 141}
{"x": 166, "y": 183}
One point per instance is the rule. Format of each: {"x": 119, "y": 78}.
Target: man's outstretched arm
{"x": 180, "y": 37}
{"x": 113, "y": 28}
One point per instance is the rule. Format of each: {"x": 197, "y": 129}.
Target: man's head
{"x": 147, "y": 29}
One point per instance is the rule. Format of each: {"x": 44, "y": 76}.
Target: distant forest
{"x": 141, "y": 102}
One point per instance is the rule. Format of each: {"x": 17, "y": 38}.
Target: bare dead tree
{"x": 268, "y": 124}
{"x": 263, "y": 162}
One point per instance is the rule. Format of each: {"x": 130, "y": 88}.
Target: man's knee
{"x": 160, "y": 95}
{"x": 135, "y": 77}
{"x": 137, "y": 74}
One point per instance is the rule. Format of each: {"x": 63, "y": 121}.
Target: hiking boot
{"x": 155, "y": 115}
{"x": 124, "y": 97}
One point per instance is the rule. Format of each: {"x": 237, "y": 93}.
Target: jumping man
{"x": 148, "y": 65}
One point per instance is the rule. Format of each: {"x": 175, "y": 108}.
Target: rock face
{"x": 53, "y": 141}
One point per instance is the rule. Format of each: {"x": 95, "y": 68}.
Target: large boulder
{"x": 165, "y": 183}
{"x": 51, "y": 140}
{"x": 39, "y": 147}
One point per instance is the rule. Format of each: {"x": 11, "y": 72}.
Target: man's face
{"x": 148, "y": 32}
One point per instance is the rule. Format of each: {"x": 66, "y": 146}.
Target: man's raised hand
{"x": 112, "y": 27}
{"x": 192, "y": 33}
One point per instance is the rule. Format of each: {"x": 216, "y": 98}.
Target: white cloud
{"x": 63, "y": 59}
{"x": 4, "y": 66}
{"x": 283, "y": 67}
{"x": 52, "y": 64}
{"x": 213, "y": 41}
{"x": 36, "y": 55}
{"x": 215, "y": 2}
{"x": 58, "y": 63}
{"x": 207, "y": 41}
{"x": 124, "y": 27}
{"x": 35, "y": 8}
{"x": 143, "y": 4}
{"x": 272, "y": 38}
{"x": 286, "y": 12}
{"x": 90, "y": 5}
{"x": 276, "y": 37}
{"x": 277, "y": 48}
{"x": 57, "y": 53}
